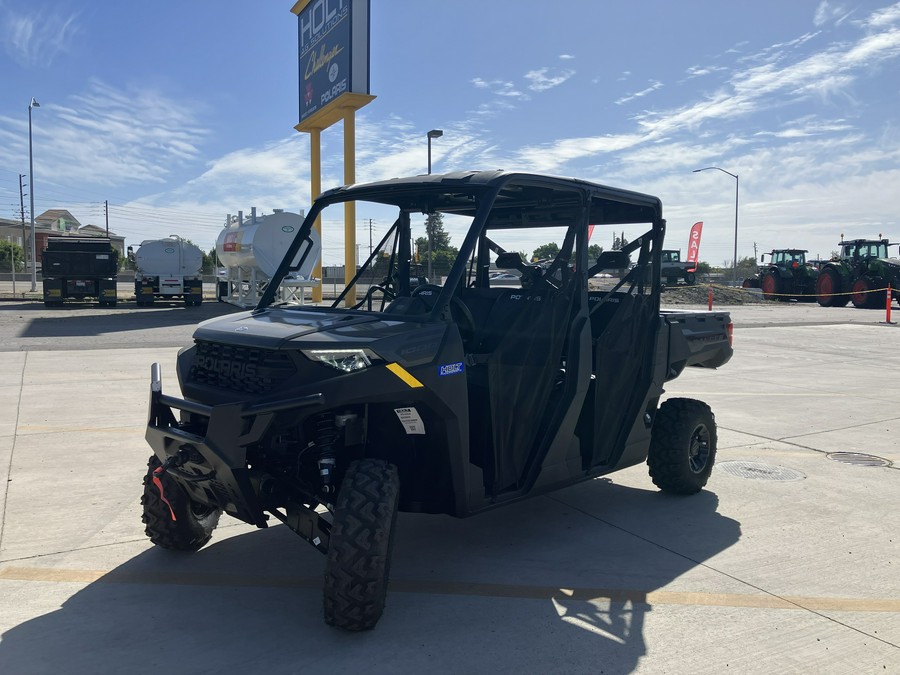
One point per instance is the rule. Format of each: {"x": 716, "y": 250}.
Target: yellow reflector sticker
{"x": 404, "y": 375}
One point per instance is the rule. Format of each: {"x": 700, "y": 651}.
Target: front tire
{"x": 362, "y": 539}
{"x": 194, "y": 522}
{"x": 771, "y": 286}
{"x": 682, "y": 446}
{"x": 828, "y": 285}
{"x": 865, "y": 294}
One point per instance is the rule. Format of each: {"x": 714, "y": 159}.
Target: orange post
{"x": 710, "y": 298}
{"x": 887, "y": 305}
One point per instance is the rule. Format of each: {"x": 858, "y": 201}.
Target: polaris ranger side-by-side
{"x": 448, "y": 399}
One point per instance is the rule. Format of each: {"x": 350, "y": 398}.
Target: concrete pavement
{"x": 786, "y": 563}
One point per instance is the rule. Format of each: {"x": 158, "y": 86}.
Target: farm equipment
{"x": 674, "y": 268}
{"x": 786, "y": 275}
{"x": 861, "y": 275}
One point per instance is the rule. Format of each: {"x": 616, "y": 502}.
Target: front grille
{"x": 245, "y": 369}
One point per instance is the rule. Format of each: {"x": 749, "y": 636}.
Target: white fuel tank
{"x": 168, "y": 257}
{"x": 261, "y": 243}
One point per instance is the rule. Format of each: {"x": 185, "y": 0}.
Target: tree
{"x": 619, "y": 242}
{"x": 12, "y": 256}
{"x": 703, "y": 268}
{"x": 442, "y": 253}
{"x": 546, "y": 251}
{"x": 209, "y": 260}
{"x": 594, "y": 251}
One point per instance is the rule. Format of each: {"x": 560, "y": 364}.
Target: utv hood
{"x": 275, "y": 327}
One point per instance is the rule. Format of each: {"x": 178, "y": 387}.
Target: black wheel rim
{"x": 200, "y": 511}
{"x": 699, "y": 448}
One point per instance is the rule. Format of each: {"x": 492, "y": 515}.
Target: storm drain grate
{"x": 759, "y": 471}
{"x": 858, "y": 458}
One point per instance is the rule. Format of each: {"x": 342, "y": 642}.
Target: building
{"x": 54, "y": 223}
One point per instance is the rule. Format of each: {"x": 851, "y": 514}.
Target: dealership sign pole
{"x": 334, "y": 84}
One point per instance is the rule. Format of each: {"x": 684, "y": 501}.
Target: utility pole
{"x": 106, "y": 211}
{"x": 370, "y": 237}
{"x": 22, "y": 214}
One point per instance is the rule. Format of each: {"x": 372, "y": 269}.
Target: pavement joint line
{"x": 39, "y": 430}
{"x": 464, "y": 588}
{"x": 12, "y": 450}
{"x": 800, "y": 603}
{"x": 800, "y": 445}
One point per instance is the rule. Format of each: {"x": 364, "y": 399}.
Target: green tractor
{"x": 786, "y": 275}
{"x": 860, "y": 275}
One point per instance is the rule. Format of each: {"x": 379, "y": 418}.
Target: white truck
{"x": 166, "y": 269}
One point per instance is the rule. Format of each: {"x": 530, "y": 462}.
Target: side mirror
{"x": 762, "y": 257}
{"x": 613, "y": 260}
{"x": 511, "y": 260}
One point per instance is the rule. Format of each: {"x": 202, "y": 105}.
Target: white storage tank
{"x": 168, "y": 257}
{"x": 261, "y": 242}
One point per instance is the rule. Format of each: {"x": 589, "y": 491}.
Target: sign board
{"x": 333, "y": 38}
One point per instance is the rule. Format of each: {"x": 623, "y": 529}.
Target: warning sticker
{"x": 409, "y": 418}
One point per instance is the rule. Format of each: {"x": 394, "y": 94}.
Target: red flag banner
{"x": 693, "y": 255}
{"x": 590, "y": 231}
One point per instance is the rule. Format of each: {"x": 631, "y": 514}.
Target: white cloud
{"x": 113, "y": 137}
{"x": 884, "y": 18}
{"x": 654, "y": 85}
{"x": 827, "y": 11}
{"x": 36, "y": 39}
{"x": 544, "y": 79}
{"x": 499, "y": 88}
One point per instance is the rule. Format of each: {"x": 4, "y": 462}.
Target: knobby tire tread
{"x": 188, "y": 532}
{"x": 668, "y": 457}
{"x": 358, "y": 563}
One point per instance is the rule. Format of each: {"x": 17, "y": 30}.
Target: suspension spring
{"x": 326, "y": 435}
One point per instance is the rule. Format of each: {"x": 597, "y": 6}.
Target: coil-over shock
{"x": 326, "y": 435}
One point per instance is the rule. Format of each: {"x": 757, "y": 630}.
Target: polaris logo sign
{"x": 226, "y": 368}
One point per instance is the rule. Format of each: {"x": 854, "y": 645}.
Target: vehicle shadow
{"x": 89, "y": 320}
{"x": 559, "y": 582}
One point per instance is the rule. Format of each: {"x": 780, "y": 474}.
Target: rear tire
{"x": 194, "y": 522}
{"x": 690, "y": 278}
{"x": 362, "y": 539}
{"x": 682, "y": 446}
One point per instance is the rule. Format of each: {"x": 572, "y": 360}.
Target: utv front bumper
{"x": 210, "y": 450}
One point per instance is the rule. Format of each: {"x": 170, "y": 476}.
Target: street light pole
{"x": 33, "y": 104}
{"x": 434, "y": 133}
{"x": 736, "y": 190}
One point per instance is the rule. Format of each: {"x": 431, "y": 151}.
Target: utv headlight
{"x": 345, "y": 360}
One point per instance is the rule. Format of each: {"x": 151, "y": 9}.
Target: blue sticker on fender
{"x": 451, "y": 369}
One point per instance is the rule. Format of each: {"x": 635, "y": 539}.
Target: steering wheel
{"x": 388, "y": 295}
{"x": 460, "y": 313}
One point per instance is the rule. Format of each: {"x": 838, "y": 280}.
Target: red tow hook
{"x": 157, "y": 472}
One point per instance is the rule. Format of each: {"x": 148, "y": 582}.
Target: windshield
{"x": 428, "y": 236}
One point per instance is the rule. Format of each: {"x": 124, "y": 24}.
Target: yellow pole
{"x": 349, "y": 207}
{"x": 315, "y": 188}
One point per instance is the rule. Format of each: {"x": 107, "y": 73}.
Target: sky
{"x": 178, "y": 113}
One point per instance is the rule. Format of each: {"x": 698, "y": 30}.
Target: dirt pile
{"x": 699, "y": 295}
